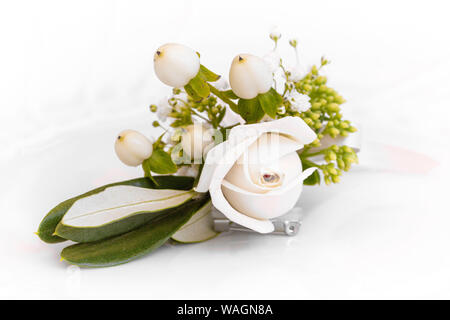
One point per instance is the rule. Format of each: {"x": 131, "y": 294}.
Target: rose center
{"x": 270, "y": 179}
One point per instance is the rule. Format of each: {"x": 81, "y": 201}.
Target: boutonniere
{"x": 244, "y": 147}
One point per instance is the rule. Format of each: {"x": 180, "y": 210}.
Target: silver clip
{"x": 288, "y": 224}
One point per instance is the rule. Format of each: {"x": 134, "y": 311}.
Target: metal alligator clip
{"x": 288, "y": 224}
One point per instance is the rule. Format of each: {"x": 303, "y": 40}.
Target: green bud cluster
{"x": 312, "y": 118}
{"x": 324, "y": 116}
{"x": 337, "y": 158}
{"x": 331, "y": 174}
{"x": 343, "y": 156}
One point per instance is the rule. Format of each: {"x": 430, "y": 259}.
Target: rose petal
{"x": 240, "y": 174}
{"x": 292, "y": 126}
{"x": 263, "y": 205}
{"x": 223, "y": 156}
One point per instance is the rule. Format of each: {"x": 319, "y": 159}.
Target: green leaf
{"x": 250, "y": 110}
{"x": 230, "y": 94}
{"x": 148, "y": 171}
{"x": 207, "y": 74}
{"x": 200, "y": 86}
{"x": 192, "y": 93}
{"x": 314, "y": 178}
{"x": 117, "y": 210}
{"x": 133, "y": 244}
{"x": 270, "y": 101}
{"x": 159, "y": 162}
{"x": 48, "y": 224}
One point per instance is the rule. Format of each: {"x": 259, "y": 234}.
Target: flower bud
{"x": 341, "y": 163}
{"x": 196, "y": 141}
{"x": 132, "y": 147}
{"x": 176, "y": 64}
{"x": 275, "y": 34}
{"x": 249, "y": 76}
{"x": 293, "y": 43}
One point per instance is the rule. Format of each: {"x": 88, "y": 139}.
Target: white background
{"x": 74, "y": 73}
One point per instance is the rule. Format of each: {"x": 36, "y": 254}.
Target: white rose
{"x": 256, "y": 175}
{"x": 176, "y": 64}
{"x": 249, "y": 76}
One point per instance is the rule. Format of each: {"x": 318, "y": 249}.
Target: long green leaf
{"x": 117, "y": 210}
{"x": 48, "y": 224}
{"x": 134, "y": 244}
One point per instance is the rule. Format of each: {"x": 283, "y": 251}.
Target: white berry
{"x": 176, "y": 64}
{"x": 249, "y": 76}
{"x": 133, "y": 147}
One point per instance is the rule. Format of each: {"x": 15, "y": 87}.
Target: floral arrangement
{"x": 245, "y": 147}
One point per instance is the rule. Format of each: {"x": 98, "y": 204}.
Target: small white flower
{"x": 293, "y": 42}
{"x": 175, "y": 135}
{"x": 273, "y": 60}
{"x": 275, "y": 34}
{"x": 297, "y": 72}
{"x": 299, "y": 102}
{"x": 164, "y": 109}
{"x": 279, "y": 79}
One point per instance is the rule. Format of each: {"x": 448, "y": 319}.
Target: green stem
{"x": 310, "y": 163}
{"x": 199, "y": 115}
{"x": 232, "y": 126}
{"x": 219, "y": 94}
{"x": 307, "y": 155}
